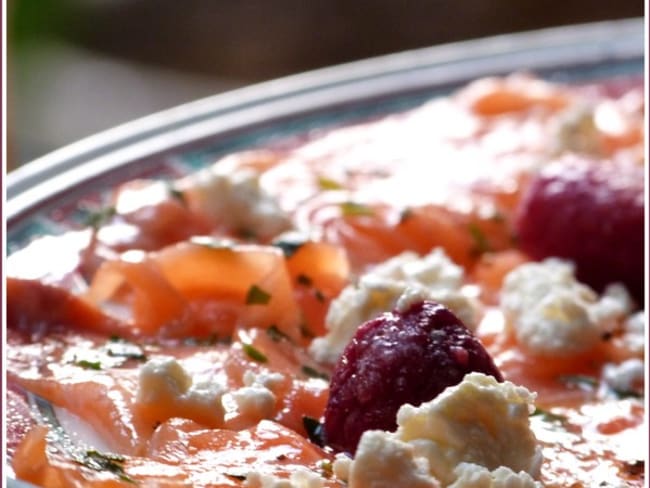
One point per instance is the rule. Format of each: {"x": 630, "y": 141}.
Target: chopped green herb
{"x": 329, "y": 184}
{"x": 98, "y": 461}
{"x": 276, "y": 334}
{"x": 238, "y": 477}
{"x": 290, "y": 243}
{"x": 352, "y": 209}
{"x": 84, "y": 363}
{"x": 306, "y": 331}
{"x": 304, "y": 280}
{"x": 210, "y": 340}
{"x": 548, "y": 416}
{"x": 314, "y": 430}
{"x": 319, "y": 296}
{"x": 254, "y": 353}
{"x": 123, "y": 349}
{"x": 622, "y": 394}
{"x": 327, "y": 468}
{"x": 257, "y": 296}
{"x": 176, "y": 193}
{"x": 405, "y": 214}
{"x": 313, "y": 373}
{"x": 481, "y": 244}
{"x": 97, "y": 218}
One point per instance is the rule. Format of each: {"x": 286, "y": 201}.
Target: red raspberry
{"x": 398, "y": 358}
{"x": 590, "y": 212}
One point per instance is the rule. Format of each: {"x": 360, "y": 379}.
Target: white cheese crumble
{"x": 256, "y": 399}
{"x": 470, "y": 475}
{"x": 633, "y": 338}
{"x": 232, "y": 195}
{"x": 478, "y": 421}
{"x": 301, "y": 478}
{"x": 396, "y": 283}
{"x": 551, "y": 313}
{"x": 625, "y": 377}
{"x": 164, "y": 381}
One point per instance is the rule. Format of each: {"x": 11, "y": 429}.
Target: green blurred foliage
{"x": 29, "y": 20}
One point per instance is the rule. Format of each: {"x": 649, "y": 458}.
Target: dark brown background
{"x": 79, "y": 66}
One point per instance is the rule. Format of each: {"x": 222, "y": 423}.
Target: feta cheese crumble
{"x": 256, "y": 399}
{"x": 470, "y": 475}
{"x": 231, "y": 194}
{"x": 478, "y": 421}
{"x": 301, "y": 478}
{"x": 396, "y": 283}
{"x": 553, "y": 314}
{"x": 163, "y": 381}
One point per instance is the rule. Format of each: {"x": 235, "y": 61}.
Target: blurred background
{"x": 76, "y": 67}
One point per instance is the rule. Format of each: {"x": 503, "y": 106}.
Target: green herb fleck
{"x": 238, "y": 477}
{"x": 123, "y": 349}
{"x": 304, "y": 280}
{"x": 327, "y": 468}
{"x": 257, "y": 296}
{"x": 176, "y": 194}
{"x": 254, "y": 353}
{"x": 314, "y": 430}
{"x": 352, "y": 209}
{"x": 329, "y": 184}
{"x": 405, "y": 214}
{"x": 319, "y": 296}
{"x": 314, "y": 373}
{"x": 276, "y": 334}
{"x": 97, "y": 218}
{"x": 98, "y": 461}
{"x": 548, "y": 416}
{"x": 210, "y": 340}
{"x": 481, "y": 244}
{"x": 86, "y": 364}
{"x": 306, "y": 331}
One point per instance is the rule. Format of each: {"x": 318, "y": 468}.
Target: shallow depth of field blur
{"x": 76, "y": 67}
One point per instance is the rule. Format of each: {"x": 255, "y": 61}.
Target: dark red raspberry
{"x": 398, "y": 358}
{"x": 590, "y": 212}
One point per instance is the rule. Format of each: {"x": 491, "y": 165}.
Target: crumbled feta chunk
{"x": 470, "y": 475}
{"x": 396, "y": 283}
{"x": 232, "y": 195}
{"x": 257, "y": 402}
{"x": 384, "y": 460}
{"x": 551, "y": 313}
{"x": 164, "y": 381}
{"x": 478, "y": 421}
{"x": 633, "y": 337}
{"x": 625, "y": 377}
{"x": 301, "y": 478}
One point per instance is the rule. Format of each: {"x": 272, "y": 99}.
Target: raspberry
{"x": 398, "y": 358}
{"x": 590, "y": 212}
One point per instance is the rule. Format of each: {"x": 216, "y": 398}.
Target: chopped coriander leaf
{"x": 304, "y": 280}
{"x": 313, "y": 373}
{"x": 314, "y": 430}
{"x": 276, "y": 334}
{"x": 257, "y": 296}
{"x": 254, "y": 353}
{"x": 306, "y": 331}
{"x": 210, "y": 340}
{"x": 327, "y": 468}
{"x": 125, "y": 350}
{"x": 319, "y": 296}
{"x": 238, "y": 477}
{"x": 98, "y": 461}
{"x": 97, "y": 218}
{"x": 84, "y": 363}
{"x": 329, "y": 184}
{"x": 352, "y": 209}
{"x": 290, "y": 243}
{"x": 405, "y": 214}
{"x": 548, "y": 416}
{"x": 481, "y": 244}
{"x": 176, "y": 193}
